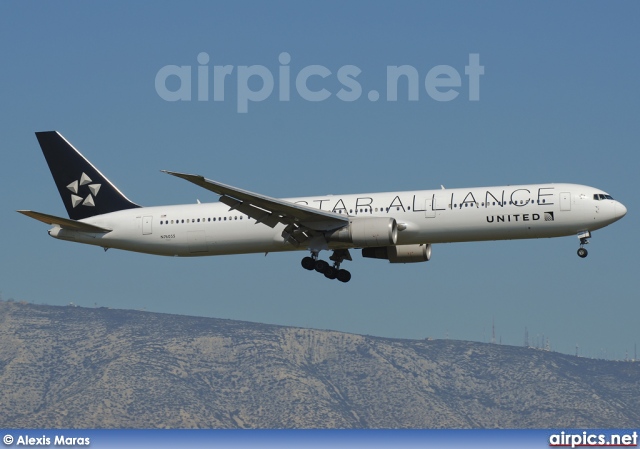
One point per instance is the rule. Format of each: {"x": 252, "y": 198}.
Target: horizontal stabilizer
{"x": 64, "y": 223}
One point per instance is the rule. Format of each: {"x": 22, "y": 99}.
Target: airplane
{"x": 396, "y": 226}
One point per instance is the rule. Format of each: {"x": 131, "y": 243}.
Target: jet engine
{"x": 400, "y": 253}
{"x": 366, "y": 232}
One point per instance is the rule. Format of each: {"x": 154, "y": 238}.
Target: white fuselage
{"x": 426, "y": 216}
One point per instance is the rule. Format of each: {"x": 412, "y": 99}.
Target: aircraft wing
{"x": 64, "y": 223}
{"x": 271, "y": 211}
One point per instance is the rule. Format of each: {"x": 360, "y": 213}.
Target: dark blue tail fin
{"x": 84, "y": 190}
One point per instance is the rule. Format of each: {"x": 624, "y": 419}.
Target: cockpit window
{"x": 600, "y": 197}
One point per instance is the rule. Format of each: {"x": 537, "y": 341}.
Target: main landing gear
{"x": 330, "y": 271}
{"x": 583, "y": 236}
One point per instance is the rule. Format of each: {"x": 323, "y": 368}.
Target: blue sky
{"x": 558, "y": 103}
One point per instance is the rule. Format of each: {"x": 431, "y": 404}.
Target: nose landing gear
{"x": 583, "y": 236}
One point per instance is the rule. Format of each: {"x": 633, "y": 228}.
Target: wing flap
{"x": 267, "y": 210}
{"x": 64, "y": 223}
{"x": 258, "y": 214}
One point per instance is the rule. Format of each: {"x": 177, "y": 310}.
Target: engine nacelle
{"x": 400, "y": 253}
{"x": 366, "y": 232}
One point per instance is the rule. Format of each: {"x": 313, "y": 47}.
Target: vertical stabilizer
{"x": 85, "y": 191}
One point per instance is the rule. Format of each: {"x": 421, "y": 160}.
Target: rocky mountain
{"x": 73, "y": 367}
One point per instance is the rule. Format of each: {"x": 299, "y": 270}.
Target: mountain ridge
{"x": 74, "y": 367}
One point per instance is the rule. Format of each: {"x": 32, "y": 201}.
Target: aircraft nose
{"x": 621, "y": 211}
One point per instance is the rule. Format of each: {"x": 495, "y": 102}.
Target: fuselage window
{"x": 225, "y": 218}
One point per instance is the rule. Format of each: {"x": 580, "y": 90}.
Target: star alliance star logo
{"x": 89, "y": 199}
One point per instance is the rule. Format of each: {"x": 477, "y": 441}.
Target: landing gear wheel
{"x": 321, "y": 266}
{"x": 330, "y": 272}
{"x": 343, "y": 276}
{"x": 308, "y": 263}
{"x": 582, "y": 252}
